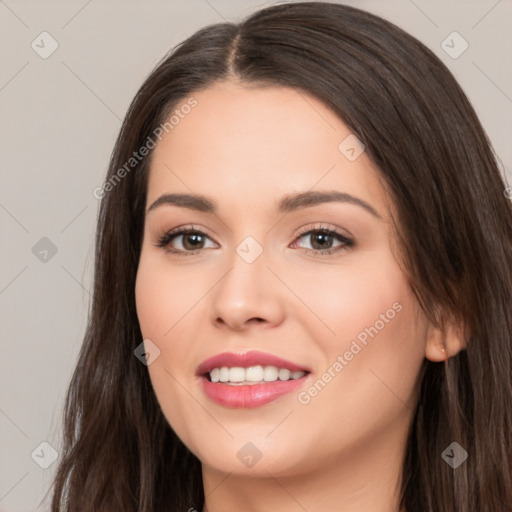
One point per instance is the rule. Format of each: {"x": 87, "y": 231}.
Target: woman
{"x": 226, "y": 364}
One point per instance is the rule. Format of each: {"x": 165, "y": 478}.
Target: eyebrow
{"x": 287, "y": 204}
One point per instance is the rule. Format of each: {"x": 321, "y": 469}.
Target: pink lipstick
{"x": 249, "y": 380}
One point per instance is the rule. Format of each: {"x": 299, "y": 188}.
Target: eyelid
{"x": 323, "y": 226}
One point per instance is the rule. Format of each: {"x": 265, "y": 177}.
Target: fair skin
{"x": 244, "y": 149}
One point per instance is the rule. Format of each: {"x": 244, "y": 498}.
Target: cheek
{"x": 350, "y": 297}
{"x": 164, "y": 296}
{"x": 377, "y": 340}
{"x": 376, "y": 384}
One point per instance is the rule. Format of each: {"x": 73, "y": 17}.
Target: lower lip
{"x": 252, "y": 395}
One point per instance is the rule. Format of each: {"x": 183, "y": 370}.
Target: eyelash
{"x": 165, "y": 240}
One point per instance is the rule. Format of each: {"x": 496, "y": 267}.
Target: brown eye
{"x": 191, "y": 240}
{"x": 321, "y": 241}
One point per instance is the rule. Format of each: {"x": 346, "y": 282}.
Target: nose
{"x": 248, "y": 294}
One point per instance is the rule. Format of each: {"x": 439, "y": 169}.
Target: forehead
{"x": 247, "y": 122}
{"x": 240, "y": 141}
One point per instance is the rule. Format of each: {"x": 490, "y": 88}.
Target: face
{"x": 312, "y": 282}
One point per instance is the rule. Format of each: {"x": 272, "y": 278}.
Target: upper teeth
{"x": 253, "y": 374}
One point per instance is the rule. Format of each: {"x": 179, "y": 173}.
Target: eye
{"x": 191, "y": 240}
{"x": 321, "y": 240}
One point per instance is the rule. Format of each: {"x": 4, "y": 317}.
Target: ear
{"x": 445, "y": 341}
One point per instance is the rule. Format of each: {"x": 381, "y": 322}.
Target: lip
{"x": 250, "y": 395}
{"x": 251, "y": 358}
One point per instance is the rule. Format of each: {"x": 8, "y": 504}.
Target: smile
{"x": 249, "y": 380}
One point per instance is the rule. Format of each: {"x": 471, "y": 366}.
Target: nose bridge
{"x": 246, "y": 291}
{"x": 247, "y": 264}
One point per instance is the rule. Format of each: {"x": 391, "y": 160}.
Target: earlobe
{"x": 435, "y": 349}
{"x": 443, "y": 343}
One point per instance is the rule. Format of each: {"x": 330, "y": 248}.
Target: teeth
{"x": 253, "y": 374}
{"x": 236, "y": 374}
{"x": 224, "y": 374}
{"x": 284, "y": 374}
{"x": 270, "y": 373}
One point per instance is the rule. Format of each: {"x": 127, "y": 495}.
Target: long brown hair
{"x": 455, "y": 227}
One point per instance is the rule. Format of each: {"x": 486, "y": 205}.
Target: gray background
{"x": 59, "y": 120}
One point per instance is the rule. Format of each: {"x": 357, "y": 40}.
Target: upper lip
{"x": 252, "y": 358}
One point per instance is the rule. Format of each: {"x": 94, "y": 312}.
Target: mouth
{"x": 249, "y": 380}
